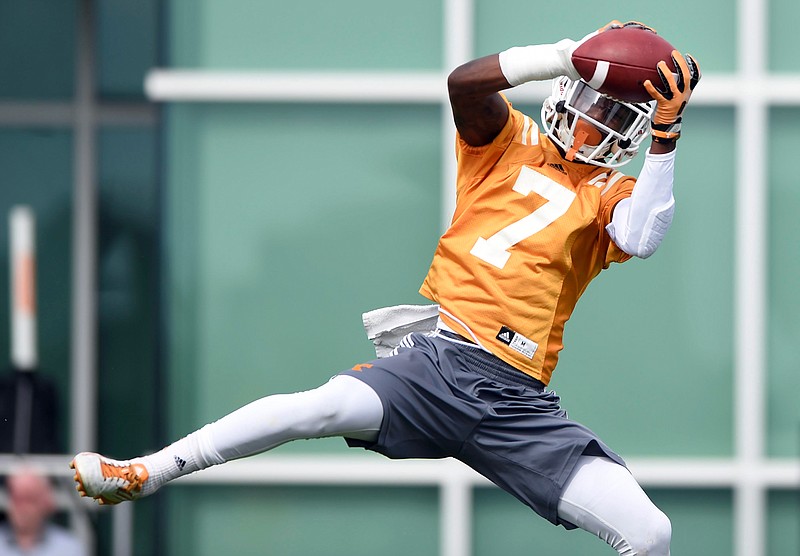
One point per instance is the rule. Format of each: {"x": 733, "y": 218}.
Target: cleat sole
{"x": 77, "y": 478}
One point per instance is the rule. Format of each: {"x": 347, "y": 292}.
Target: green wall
{"x": 306, "y": 34}
{"x": 286, "y": 221}
{"x": 784, "y": 297}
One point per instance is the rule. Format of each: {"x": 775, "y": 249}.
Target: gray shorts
{"x": 446, "y": 399}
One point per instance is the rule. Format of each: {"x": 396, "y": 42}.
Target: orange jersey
{"x": 527, "y": 237}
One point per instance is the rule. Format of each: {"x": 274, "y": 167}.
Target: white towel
{"x": 387, "y": 326}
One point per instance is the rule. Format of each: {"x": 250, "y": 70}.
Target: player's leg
{"x": 603, "y": 498}
{"x": 344, "y": 406}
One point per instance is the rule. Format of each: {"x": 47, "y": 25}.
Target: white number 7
{"x": 495, "y": 250}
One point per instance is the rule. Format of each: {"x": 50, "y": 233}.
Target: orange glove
{"x": 670, "y": 104}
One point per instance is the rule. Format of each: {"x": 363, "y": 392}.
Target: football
{"x": 618, "y": 61}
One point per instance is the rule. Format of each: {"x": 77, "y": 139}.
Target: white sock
{"x": 189, "y": 454}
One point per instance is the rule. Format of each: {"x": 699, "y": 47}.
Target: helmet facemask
{"x": 593, "y": 128}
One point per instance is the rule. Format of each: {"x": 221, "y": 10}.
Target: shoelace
{"x": 125, "y": 474}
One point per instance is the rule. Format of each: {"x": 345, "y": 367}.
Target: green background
{"x": 240, "y": 243}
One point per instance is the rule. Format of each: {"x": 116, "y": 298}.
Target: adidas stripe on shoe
{"x": 106, "y": 480}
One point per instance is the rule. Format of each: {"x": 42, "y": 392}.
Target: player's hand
{"x": 670, "y": 103}
{"x": 639, "y": 25}
{"x": 614, "y": 24}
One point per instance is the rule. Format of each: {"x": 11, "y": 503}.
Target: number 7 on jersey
{"x": 495, "y": 249}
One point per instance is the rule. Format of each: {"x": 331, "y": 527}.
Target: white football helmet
{"x": 593, "y": 128}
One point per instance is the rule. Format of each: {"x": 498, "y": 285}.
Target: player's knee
{"x": 653, "y": 537}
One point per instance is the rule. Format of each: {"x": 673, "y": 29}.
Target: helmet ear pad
{"x": 592, "y": 128}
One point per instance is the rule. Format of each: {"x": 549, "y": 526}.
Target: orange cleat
{"x": 107, "y": 480}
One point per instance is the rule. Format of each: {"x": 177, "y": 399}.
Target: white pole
{"x": 750, "y": 497}
{"x": 22, "y": 237}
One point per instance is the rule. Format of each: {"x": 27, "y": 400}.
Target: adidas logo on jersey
{"x": 181, "y": 463}
{"x": 558, "y": 167}
{"x": 517, "y": 342}
{"x": 505, "y": 335}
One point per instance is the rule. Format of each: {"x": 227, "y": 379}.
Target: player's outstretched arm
{"x": 640, "y": 222}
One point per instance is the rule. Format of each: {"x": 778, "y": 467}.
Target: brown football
{"x": 618, "y": 61}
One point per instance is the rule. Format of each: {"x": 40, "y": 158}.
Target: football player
{"x": 539, "y": 213}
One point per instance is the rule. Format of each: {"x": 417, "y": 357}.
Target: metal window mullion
{"x": 84, "y": 243}
{"x": 456, "y": 495}
{"x": 456, "y": 516}
{"x": 83, "y": 397}
{"x": 750, "y": 495}
{"x": 458, "y": 47}
{"x": 750, "y": 308}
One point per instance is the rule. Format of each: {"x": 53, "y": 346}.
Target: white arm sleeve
{"x": 521, "y": 64}
{"x": 541, "y": 61}
{"x": 639, "y": 222}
